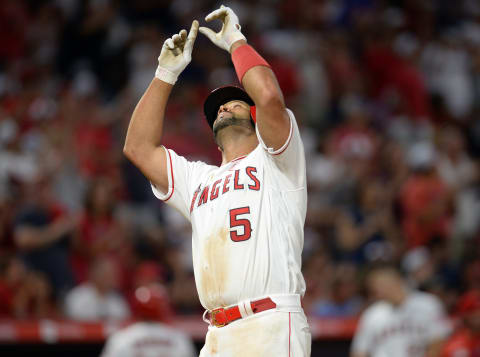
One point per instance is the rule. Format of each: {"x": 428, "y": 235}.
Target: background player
{"x": 402, "y": 323}
{"x": 149, "y": 337}
{"x": 248, "y": 214}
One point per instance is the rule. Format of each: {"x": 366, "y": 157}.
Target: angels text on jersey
{"x": 240, "y": 179}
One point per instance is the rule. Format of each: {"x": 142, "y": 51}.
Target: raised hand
{"x": 176, "y": 54}
{"x": 230, "y": 31}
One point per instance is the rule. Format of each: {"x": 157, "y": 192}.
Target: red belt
{"x": 221, "y": 317}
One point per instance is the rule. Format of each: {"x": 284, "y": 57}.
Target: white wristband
{"x": 165, "y": 75}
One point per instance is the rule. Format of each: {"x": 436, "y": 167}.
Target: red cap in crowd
{"x": 151, "y": 302}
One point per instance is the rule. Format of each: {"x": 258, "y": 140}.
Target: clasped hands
{"x": 176, "y": 51}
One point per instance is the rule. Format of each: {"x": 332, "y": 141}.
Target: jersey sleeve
{"x": 435, "y": 317}
{"x": 114, "y": 347}
{"x": 182, "y": 174}
{"x": 364, "y": 335}
{"x": 290, "y": 158}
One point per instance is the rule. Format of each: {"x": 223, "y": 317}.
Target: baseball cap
{"x": 220, "y": 96}
{"x": 151, "y": 302}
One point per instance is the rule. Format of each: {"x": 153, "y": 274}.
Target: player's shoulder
{"x": 82, "y": 291}
{"x": 290, "y": 114}
{"x": 295, "y": 129}
{"x": 125, "y": 332}
{"x": 294, "y": 135}
{"x": 377, "y": 311}
{"x": 194, "y": 166}
{"x": 129, "y": 334}
{"x": 423, "y": 299}
{"x": 119, "y": 340}
{"x": 154, "y": 328}
{"x": 195, "y": 161}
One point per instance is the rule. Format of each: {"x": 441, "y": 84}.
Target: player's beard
{"x": 233, "y": 120}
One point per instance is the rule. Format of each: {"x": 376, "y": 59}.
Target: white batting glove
{"x": 230, "y": 31}
{"x": 176, "y": 54}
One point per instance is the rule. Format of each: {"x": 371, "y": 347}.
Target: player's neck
{"x": 400, "y": 296}
{"x": 237, "y": 143}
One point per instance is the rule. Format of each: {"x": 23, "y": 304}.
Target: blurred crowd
{"x": 387, "y": 95}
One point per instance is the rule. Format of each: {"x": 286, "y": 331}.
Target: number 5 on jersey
{"x": 243, "y": 224}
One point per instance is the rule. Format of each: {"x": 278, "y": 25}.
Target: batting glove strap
{"x": 166, "y": 75}
{"x": 233, "y": 37}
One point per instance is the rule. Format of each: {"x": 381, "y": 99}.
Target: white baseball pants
{"x": 279, "y": 332}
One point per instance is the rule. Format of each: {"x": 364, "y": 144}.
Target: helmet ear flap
{"x": 253, "y": 113}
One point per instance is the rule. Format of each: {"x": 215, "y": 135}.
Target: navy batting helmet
{"x": 221, "y": 96}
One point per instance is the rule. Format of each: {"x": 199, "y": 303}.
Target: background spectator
{"x": 41, "y": 234}
{"x": 24, "y": 294}
{"x": 97, "y": 298}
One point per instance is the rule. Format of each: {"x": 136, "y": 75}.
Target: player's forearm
{"x": 252, "y": 70}
{"x": 28, "y": 238}
{"x": 261, "y": 84}
{"x": 256, "y": 76}
{"x": 146, "y": 125}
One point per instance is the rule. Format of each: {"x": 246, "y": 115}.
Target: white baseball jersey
{"x": 148, "y": 339}
{"x": 247, "y": 220}
{"x": 385, "y": 330}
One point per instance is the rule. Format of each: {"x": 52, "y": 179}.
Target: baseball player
{"x": 247, "y": 214}
{"x": 403, "y": 323}
{"x": 149, "y": 337}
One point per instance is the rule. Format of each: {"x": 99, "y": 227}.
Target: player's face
{"x": 235, "y": 107}
{"x": 381, "y": 286}
{"x": 235, "y": 112}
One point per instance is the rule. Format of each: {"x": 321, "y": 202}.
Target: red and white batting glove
{"x": 230, "y": 31}
{"x": 176, "y": 54}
